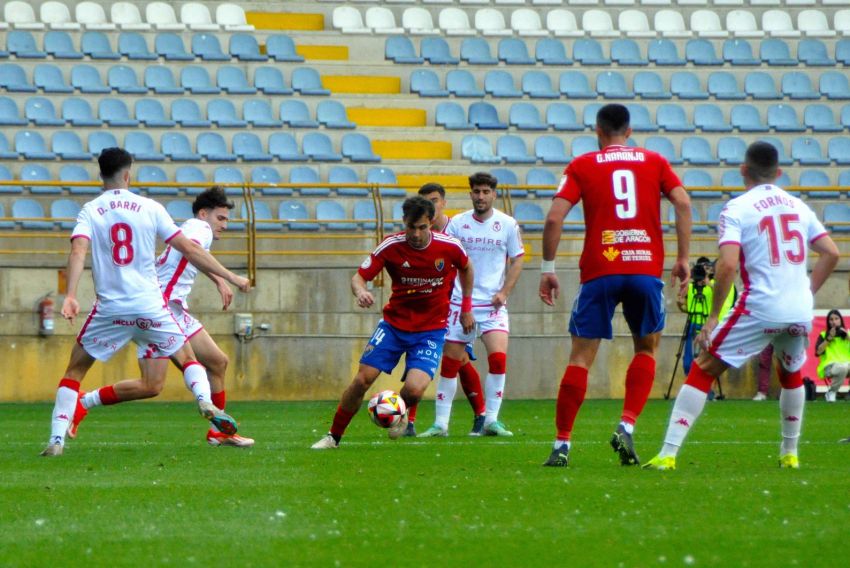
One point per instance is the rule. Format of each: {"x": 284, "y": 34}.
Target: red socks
{"x": 342, "y": 418}
{"x": 219, "y": 399}
{"x": 639, "y": 378}
{"x": 699, "y": 379}
{"x": 790, "y": 380}
{"x": 107, "y": 395}
{"x": 411, "y": 413}
{"x": 470, "y": 381}
{"x": 570, "y": 397}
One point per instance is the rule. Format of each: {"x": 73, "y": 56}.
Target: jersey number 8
{"x": 623, "y": 182}
{"x": 122, "y": 243}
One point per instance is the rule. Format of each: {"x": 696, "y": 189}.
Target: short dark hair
{"x": 761, "y": 162}
{"x": 431, "y": 187}
{"x": 703, "y": 260}
{"x": 112, "y": 161}
{"x": 210, "y": 199}
{"x": 415, "y": 207}
{"x": 483, "y": 178}
{"x": 613, "y": 119}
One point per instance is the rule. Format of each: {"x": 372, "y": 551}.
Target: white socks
{"x": 791, "y": 403}
{"x": 686, "y": 410}
{"x": 196, "y": 380}
{"x": 446, "y": 389}
{"x": 494, "y": 385}
{"x": 63, "y": 414}
{"x": 91, "y": 399}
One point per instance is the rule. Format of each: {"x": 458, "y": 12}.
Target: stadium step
{"x": 323, "y": 52}
{"x": 412, "y": 149}
{"x": 286, "y": 21}
{"x": 362, "y": 84}
{"x": 398, "y": 117}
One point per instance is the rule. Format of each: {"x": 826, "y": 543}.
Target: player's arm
{"x": 725, "y": 272}
{"x": 205, "y": 262}
{"x": 511, "y": 278}
{"x": 684, "y": 221}
{"x": 827, "y": 260}
{"x": 549, "y": 285}
{"x": 76, "y": 264}
{"x": 223, "y": 289}
{"x": 358, "y": 288}
{"x": 466, "y": 275}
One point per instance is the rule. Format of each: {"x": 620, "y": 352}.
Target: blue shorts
{"x": 643, "y": 305}
{"x": 422, "y": 350}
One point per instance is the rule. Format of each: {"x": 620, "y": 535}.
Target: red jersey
{"x": 621, "y": 190}
{"x": 422, "y": 279}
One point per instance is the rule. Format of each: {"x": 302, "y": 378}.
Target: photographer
{"x": 695, "y": 301}
{"x": 833, "y": 349}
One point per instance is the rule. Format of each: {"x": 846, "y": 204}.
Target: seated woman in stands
{"x": 833, "y": 349}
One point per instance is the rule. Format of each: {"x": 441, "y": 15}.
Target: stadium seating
{"x": 57, "y": 16}
{"x": 671, "y": 118}
{"x": 248, "y": 147}
{"x": 133, "y": 46}
{"x": 13, "y": 79}
{"x": 820, "y": 118}
{"x": 836, "y": 217}
{"x": 122, "y": 79}
{"x": 358, "y": 148}
{"x": 142, "y": 147}
{"x": 342, "y": 175}
{"x": 74, "y": 173}
{"x": 66, "y": 210}
{"x": 196, "y": 80}
{"x": 96, "y": 45}
{"x": 213, "y": 148}
{"x": 550, "y": 150}
{"x": 500, "y": 84}
{"x": 9, "y": 113}
{"x": 68, "y": 146}
{"x": 170, "y": 46}
{"x": 551, "y": 52}
{"x": 22, "y": 45}
{"x": 283, "y": 146}
{"x": 160, "y": 80}
{"x": 244, "y": 47}
{"x": 525, "y": 116}
{"x": 294, "y": 216}
{"x": 709, "y": 118}
{"x": 513, "y": 51}
{"x": 476, "y": 51}
{"x": 30, "y": 145}
{"x": 232, "y": 80}
{"x": 189, "y": 174}
{"x": 461, "y": 83}
{"x": 485, "y": 116}
{"x": 816, "y": 178}
{"x": 776, "y": 52}
{"x": 127, "y": 16}
{"x": 269, "y": 80}
{"x": 187, "y": 113}
{"x": 319, "y": 148}
{"x": 425, "y": 83}
{"x": 399, "y": 49}
{"x": 640, "y": 120}
{"x": 281, "y": 48}
{"x": 40, "y": 112}
{"x": 686, "y": 85}
{"x": 436, "y": 51}
{"x": 153, "y": 174}
{"x": 59, "y": 45}
{"x": 222, "y": 113}
{"x": 529, "y": 216}
{"x": 306, "y": 80}
{"x": 575, "y": 85}
{"x": 269, "y": 175}
{"x": 37, "y": 172}
{"x": 25, "y": 210}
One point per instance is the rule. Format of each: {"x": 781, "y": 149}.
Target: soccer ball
{"x": 386, "y": 408}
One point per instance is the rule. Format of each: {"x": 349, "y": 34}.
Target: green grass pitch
{"x": 139, "y": 487}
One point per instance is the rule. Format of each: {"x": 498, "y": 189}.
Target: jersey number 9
{"x": 623, "y": 182}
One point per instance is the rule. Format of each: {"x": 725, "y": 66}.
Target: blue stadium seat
{"x": 68, "y": 146}
{"x": 383, "y": 177}
{"x": 74, "y": 173}
{"x": 344, "y": 174}
{"x": 22, "y": 45}
{"x": 269, "y": 80}
{"x": 222, "y": 113}
{"x": 28, "y": 209}
{"x": 746, "y": 118}
{"x": 115, "y": 113}
{"x": 5, "y": 152}
{"x": 562, "y": 117}
{"x": 123, "y": 79}
{"x": 213, "y": 148}
{"x": 187, "y": 113}
{"x": 190, "y": 174}
{"x": 798, "y": 86}
{"x": 807, "y": 151}
{"x": 500, "y": 84}
{"x": 648, "y": 85}
{"x": 357, "y": 148}
{"x": 476, "y": 51}
{"x": 760, "y": 86}
{"x": 425, "y": 83}
{"x": 589, "y": 115}
{"x": 451, "y": 116}
{"x": 640, "y": 120}
{"x": 686, "y": 86}
{"x": 530, "y": 216}
{"x": 284, "y": 147}
{"x": 842, "y": 51}
{"x": 663, "y": 146}
{"x": 698, "y": 226}
{"x": 723, "y": 85}
{"x": 248, "y": 147}
{"x": 153, "y": 174}
{"x": 506, "y": 177}
{"x": 294, "y": 216}
{"x": 96, "y": 45}
{"x": 208, "y": 48}
{"x": 574, "y": 221}
{"x": 170, "y": 47}
{"x": 306, "y": 80}
{"x": 783, "y": 118}
{"x": 307, "y": 175}
{"x": 812, "y": 52}
{"x": 701, "y": 52}
{"x": 844, "y": 178}
{"x": 512, "y": 150}
{"x": 664, "y": 52}
{"x": 258, "y": 114}
{"x": 477, "y": 150}
{"x": 30, "y": 145}
{"x": 627, "y": 52}
{"x": 776, "y": 53}
{"x": 485, "y": 116}
{"x": 332, "y": 114}
{"x": 836, "y": 217}
{"x": 525, "y": 116}
{"x": 142, "y": 147}
{"x": 538, "y": 85}
{"x": 671, "y": 117}
{"x": 78, "y": 112}
{"x": 49, "y": 79}
{"x": 99, "y": 141}
{"x": 179, "y": 209}
{"x": 395, "y": 220}
{"x": 160, "y": 80}
{"x": 696, "y": 150}
{"x": 67, "y": 210}
{"x": 709, "y": 118}
{"x": 281, "y": 48}
{"x": 263, "y": 218}
{"x": 58, "y": 44}
{"x": 150, "y": 113}
{"x": 817, "y": 178}
{"x": 133, "y": 46}
{"x": 269, "y": 175}
{"x": 436, "y": 51}
{"x": 14, "y": 80}
{"x": 295, "y": 114}
{"x": 232, "y": 80}
{"x": 365, "y": 214}
{"x": 731, "y": 150}
{"x": 513, "y": 51}
{"x": 784, "y": 159}
{"x": 244, "y": 47}
{"x": 9, "y": 114}
{"x": 834, "y": 85}
{"x": 37, "y": 172}
{"x": 582, "y": 145}
{"x": 712, "y": 215}
{"x": 331, "y": 216}
{"x": 702, "y": 179}
{"x": 549, "y": 51}
{"x": 550, "y": 150}
{"x": 612, "y": 85}
{"x": 539, "y": 176}
{"x": 399, "y": 49}
{"x": 228, "y": 175}
{"x": 319, "y": 148}
{"x": 575, "y": 85}
{"x": 40, "y": 112}
{"x": 838, "y": 150}
{"x": 820, "y": 118}
{"x": 196, "y": 80}
{"x": 739, "y": 52}
{"x": 589, "y": 52}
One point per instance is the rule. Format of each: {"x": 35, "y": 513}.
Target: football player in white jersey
{"x": 493, "y": 242}
{"x": 122, "y": 228}
{"x": 770, "y": 232}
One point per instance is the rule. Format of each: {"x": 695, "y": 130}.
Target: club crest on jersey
{"x": 497, "y": 226}
{"x": 439, "y": 264}
{"x": 611, "y": 254}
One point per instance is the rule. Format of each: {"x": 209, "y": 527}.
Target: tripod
{"x": 697, "y": 308}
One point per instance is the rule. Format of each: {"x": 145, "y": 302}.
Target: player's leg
{"x": 422, "y": 354}
{"x": 791, "y": 354}
{"x": 67, "y": 395}
{"x": 836, "y": 373}
{"x": 453, "y": 353}
{"x": 415, "y": 383}
{"x": 496, "y": 343}
{"x": 470, "y": 382}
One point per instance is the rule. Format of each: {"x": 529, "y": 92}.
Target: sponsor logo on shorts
{"x": 141, "y": 323}
{"x": 797, "y": 330}
{"x": 432, "y": 344}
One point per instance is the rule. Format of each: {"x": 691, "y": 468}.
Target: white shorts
{"x": 157, "y": 334}
{"x": 487, "y": 319}
{"x": 740, "y": 336}
{"x": 187, "y": 322}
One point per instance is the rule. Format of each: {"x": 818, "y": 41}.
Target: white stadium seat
{"x": 162, "y": 17}
{"x": 634, "y": 23}
{"x": 777, "y": 23}
{"x": 349, "y": 21}
{"x": 231, "y": 18}
{"x": 706, "y": 23}
{"x": 418, "y": 21}
{"x": 454, "y": 21}
{"x": 127, "y": 16}
{"x": 562, "y": 23}
{"x": 742, "y": 23}
{"x": 382, "y": 21}
{"x": 813, "y": 23}
{"x": 491, "y": 22}
{"x": 21, "y": 16}
{"x": 598, "y": 23}
{"x": 670, "y": 23}
{"x": 526, "y": 22}
{"x": 92, "y": 16}
{"x": 197, "y": 16}
{"x": 57, "y": 16}
{"x": 841, "y": 22}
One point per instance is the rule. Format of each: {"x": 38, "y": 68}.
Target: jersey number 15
{"x": 791, "y": 245}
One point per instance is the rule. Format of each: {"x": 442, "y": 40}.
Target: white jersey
{"x": 123, "y": 228}
{"x": 489, "y": 244}
{"x": 176, "y": 274}
{"x": 774, "y": 230}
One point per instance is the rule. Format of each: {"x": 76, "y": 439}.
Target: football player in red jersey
{"x": 622, "y": 262}
{"x": 419, "y": 263}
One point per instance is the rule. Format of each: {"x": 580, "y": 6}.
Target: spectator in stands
{"x": 833, "y": 349}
